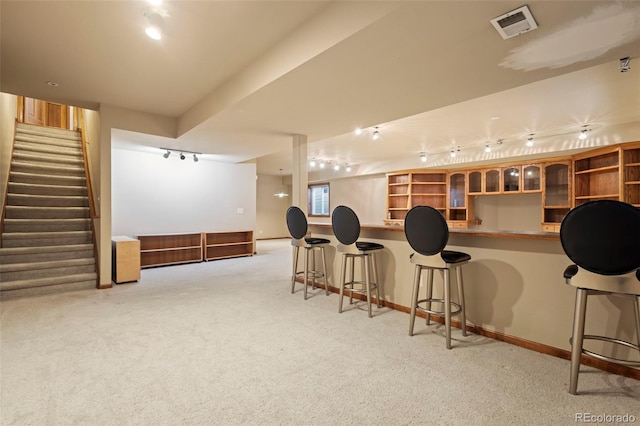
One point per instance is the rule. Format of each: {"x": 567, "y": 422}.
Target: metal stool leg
{"x": 343, "y": 277}
{"x": 296, "y": 250}
{"x": 324, "y": 272}
{"x": 429, "y": 294}
{"x": 376, "y": 282}
{"x": 352, "y": 278}
{"x": 414, "y": 297}
{"x": 367, "y": 282}
{"x": 312, "y": 253}
{"x": 306, "y": 271}
{"x": 577, "y": 338}
{"x": 637, "y": 313}
{"x": 447, "y": 306}
{"x": 463, "y": 316}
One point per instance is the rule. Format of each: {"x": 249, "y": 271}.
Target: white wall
{"x": 151, "y": 194}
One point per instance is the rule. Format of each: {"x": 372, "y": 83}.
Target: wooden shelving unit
{"x": 631, "y": 173}
{"x": 223, "y": 245}
{"x": 460, "y": 206}
{"x": 597, "y": 176}
{"x": 408, "y": 189}
{"x": 556, "y": 194}
{"x": 170, "y": 249}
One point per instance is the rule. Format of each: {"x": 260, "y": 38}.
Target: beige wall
{"x": 270, "y": 210}
{"x": 118, "y": 118}
{"x": 8, "y": 108}
{"x": 512, "y": 286}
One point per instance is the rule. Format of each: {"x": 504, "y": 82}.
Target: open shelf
{"x": 222, "y": 245}
{"x": 170, "y": 249}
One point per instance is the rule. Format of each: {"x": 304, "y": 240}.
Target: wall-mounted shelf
{"x": 223, "y": 245}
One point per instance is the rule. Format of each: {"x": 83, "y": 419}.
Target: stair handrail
{"x": 6, "y": 194}
{"x": 92, "y": 208}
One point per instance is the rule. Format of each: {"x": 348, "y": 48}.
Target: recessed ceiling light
{"x": 52, "y": 84}
{"x": 495, "y": 117}
{"x": 153, "y": 32}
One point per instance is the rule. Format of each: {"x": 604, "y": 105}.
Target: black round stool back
{"x": 296, "y": 222}
{"x": 345, "y": 224}
{"x": 603, "y": 237}
{"x": 426, "y": 230}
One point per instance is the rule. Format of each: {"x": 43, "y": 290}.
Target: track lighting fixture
{"x": 530, "y": 140}
{"x": 625, "y": 64}
{"x": 358, "y": 131}
{"x": 487, "y": 148}
{"x": 347, "y": 168}
{"x": 336, "y": 167}
{"x": 583, "y": 133}
{"x": 322, "y": 164}
{"x": 423, "y": 157}
{"x": 376, "y": 134}
{"x": 182, "y": 155}
{"x": 312, "y": 163}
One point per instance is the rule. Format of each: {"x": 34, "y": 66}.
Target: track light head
{"x": 166, "y": 154}
{"x": 625, "y": 64}
{"x": 182, "y": 157}
{"x": 195, "y": 159}
{"x": 423, "y": 157}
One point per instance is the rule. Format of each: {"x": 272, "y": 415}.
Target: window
{"x": 319, "y": 199}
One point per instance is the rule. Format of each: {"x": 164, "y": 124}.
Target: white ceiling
{"x": 240, "y": 78}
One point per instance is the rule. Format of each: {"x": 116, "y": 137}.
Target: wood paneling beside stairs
{"x": 47, "y": 242}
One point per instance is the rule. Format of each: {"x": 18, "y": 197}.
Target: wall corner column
{"x": 300, "y": 177}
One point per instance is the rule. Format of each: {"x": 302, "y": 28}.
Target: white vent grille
{"x": 514, "y": 23}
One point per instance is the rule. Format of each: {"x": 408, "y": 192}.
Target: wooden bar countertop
{"x": 472, "y": 231}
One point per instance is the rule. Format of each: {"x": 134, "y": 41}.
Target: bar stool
{"x": 297, "y": 224}
{"x": 346, "y": 228}
{"x": 602, "y": 238}
{"x": 427, "y": 233}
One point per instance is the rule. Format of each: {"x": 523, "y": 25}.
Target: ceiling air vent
{"x": 514, "y": 23}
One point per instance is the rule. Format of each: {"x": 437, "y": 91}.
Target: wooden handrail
{"x": 6, "y": 194}
{"x": 92, "y": 208}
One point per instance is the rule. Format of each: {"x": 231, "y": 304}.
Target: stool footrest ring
{"x": 456, "y": 311}
{"x": 350, "y": 286}
{"x": 610, "y": 358}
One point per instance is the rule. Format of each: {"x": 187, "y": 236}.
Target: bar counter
{"x": 514, "y": 286}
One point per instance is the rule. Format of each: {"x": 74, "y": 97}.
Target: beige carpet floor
{"x": 224, "y": 343}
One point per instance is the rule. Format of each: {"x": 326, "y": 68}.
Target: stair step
{"x": 44, "y": 253}
{"x": 39, "y": 189}
{"x": 48, "y": 159}
{"x": 47, "y": 169}
{"x": 37, "y": 147}
{"x": 47, "y": 200}
{"x": 41, "y": 179}
{"x": 49, "y": 289}
{"x": 29, "y": 212}
{"x": 42, "y": 282}
{"x": 45, "y": 130}
{"x": 36, "y": 239}
{"x": 46, "y": 225}
{"x": 35, "y": 270}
